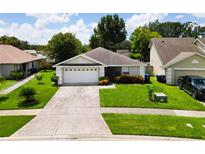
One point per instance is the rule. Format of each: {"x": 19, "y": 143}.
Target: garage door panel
{"x": 179, "y": 73}
{"x": 81, "y": 75}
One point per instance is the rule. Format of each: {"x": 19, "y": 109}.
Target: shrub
{"x": 54, "y": 79}
{"x": 44, "y": 65}
{"x": 2, "y": 78}
{"x": 17, "y": 75}
{"x": 104, "y": 82}
{"x": 150, "y": 89}
{"x": 39, "y": 77}
{"x": 129, "y": 79}
{"x": 103, "y": 78}
{"x": 28, "y": 94}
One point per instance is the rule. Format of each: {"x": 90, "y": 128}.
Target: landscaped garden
{"x": 6, "y": 83}
{"x": 156, "y": 125}
{"x": 136, "y": 95}
{"x": 10, "y": 124}
{"x": 43, "y": 88}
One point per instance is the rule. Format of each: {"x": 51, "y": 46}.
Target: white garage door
{"x": 80, "y": 75}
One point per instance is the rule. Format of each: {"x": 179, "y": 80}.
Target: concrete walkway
{"x": 20, "y": 112}
{"x": 154, "y": 111}
{"x": 74, "y": 110}
{"x": 15, "y": 86}
{"x": 95, "y": 138}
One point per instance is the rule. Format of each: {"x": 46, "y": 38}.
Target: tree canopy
{"x": 109, "y": 32}
{"x": 140, "y": 40}
{"x": 176, "y": 29}
{"x": 64, "y": 46}
{"x": 14, "y": 42}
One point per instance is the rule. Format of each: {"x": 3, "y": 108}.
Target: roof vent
{"x": 162, "y": 41}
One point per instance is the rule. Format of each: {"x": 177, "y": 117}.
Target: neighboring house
{"x": 88, "y": 67}
{"x": 124, "y": 52}
{"x": 33, "y": 52}
{"x": 13, "y": 59}
{"x": 176, "y": 57}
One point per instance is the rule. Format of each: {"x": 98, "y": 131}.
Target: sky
{"x": 39, "y": 28}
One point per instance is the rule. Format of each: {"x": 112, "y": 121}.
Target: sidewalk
{"x": 20, "y": 112}
{"x": 154, "y": 111}
{"x": 15, "y": 86}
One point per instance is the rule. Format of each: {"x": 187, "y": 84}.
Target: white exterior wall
{"x": 169, "y": 74}
{"x": 5, "y": 69}
{"x": 155, "y": 61}
{"x": 101, "y": 71}
{"x": 59, "y": 73}
{"x": 134, "y": 70}
{"x": 142, "y": 71}
{"x": 80, "y": 60}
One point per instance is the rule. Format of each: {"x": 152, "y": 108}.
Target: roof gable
{"x": 169, "y": 48}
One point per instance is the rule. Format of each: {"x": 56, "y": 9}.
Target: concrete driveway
{"x": 74, "y": 110}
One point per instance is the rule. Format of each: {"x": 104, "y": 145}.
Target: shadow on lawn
{"x": 24, "y": 104}
{"x": 3, "y": 98}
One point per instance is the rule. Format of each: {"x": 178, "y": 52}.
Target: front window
{"x": 199, "y": 81}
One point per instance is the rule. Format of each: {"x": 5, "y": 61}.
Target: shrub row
{"x": 16, "y": 75}
{"x": 129, "y": 79}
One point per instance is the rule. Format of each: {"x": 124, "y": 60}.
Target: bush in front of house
{"x": 2, "y": 78}
{"x": 39, "y": 77}
{"x": 103, "y": 80}
{"x": 28, "y": 94}
{"x": 54, "y": 79}
{"x": 150, "y": 91}
{"x": 16, "y": 75}
{"x": 129, "y": 79}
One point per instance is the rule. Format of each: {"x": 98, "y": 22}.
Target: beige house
{"x": 88, "y": 67}
{"x": 13, "y": 59}
{"x": 176, "y": 57}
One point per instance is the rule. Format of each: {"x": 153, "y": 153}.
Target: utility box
{"x": 160, "y": 97}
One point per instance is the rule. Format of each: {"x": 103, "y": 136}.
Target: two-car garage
{"x": 80, "y": 75}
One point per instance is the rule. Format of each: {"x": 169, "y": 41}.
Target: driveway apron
{"x": 74, "y": 110}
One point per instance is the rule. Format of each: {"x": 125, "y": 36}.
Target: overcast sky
{"x": 39, "y": 28}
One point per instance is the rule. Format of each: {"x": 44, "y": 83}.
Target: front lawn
{"x": 155, "y": 125}
{"x": 10, "y": 124}
{"x": 135, "y": 95}
{"x": 45, "y": 90}
{"x": 7, "y": 83}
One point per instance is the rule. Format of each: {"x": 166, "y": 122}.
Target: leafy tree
{"x": 190, "y": 29}
{"x": 109, "y": 32}
{"x": 126, "y": 44}
{"x": 140, "y": 40}
{"x": 64, "y": 46}
{"x": 166, "y": 29}
{"x": 85, "y": 48}
{"x": 14, "y": 42}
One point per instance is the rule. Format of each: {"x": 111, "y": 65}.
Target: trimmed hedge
{"x": 129, "y": 79}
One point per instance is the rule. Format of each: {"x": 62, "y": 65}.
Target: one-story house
{"x": 86, "y": 68}
{"x": 175, "y": 57}
{"x": 14, "y": 59}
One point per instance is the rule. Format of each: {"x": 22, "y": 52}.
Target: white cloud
{"x": 179, "y": 16}
{"x": 81, "y": 30}
{"x": 198, "y": 15}
{"x": 35, "y": 35}
{"x": 142, "y": 19}
{"x": 45, "y": 19}
{"x": 2, "y": 23}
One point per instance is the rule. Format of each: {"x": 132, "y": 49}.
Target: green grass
{"x": 155, "y": 125}
{"x": 7, "y": 83}
{"x": 45, "y": 91}
{"x": 10, "y": 124}
{"x": 135, "y": 95}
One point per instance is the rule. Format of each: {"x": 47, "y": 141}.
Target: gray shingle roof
{"x": 110, "y": 58}
{"x": 169, "y": 48}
